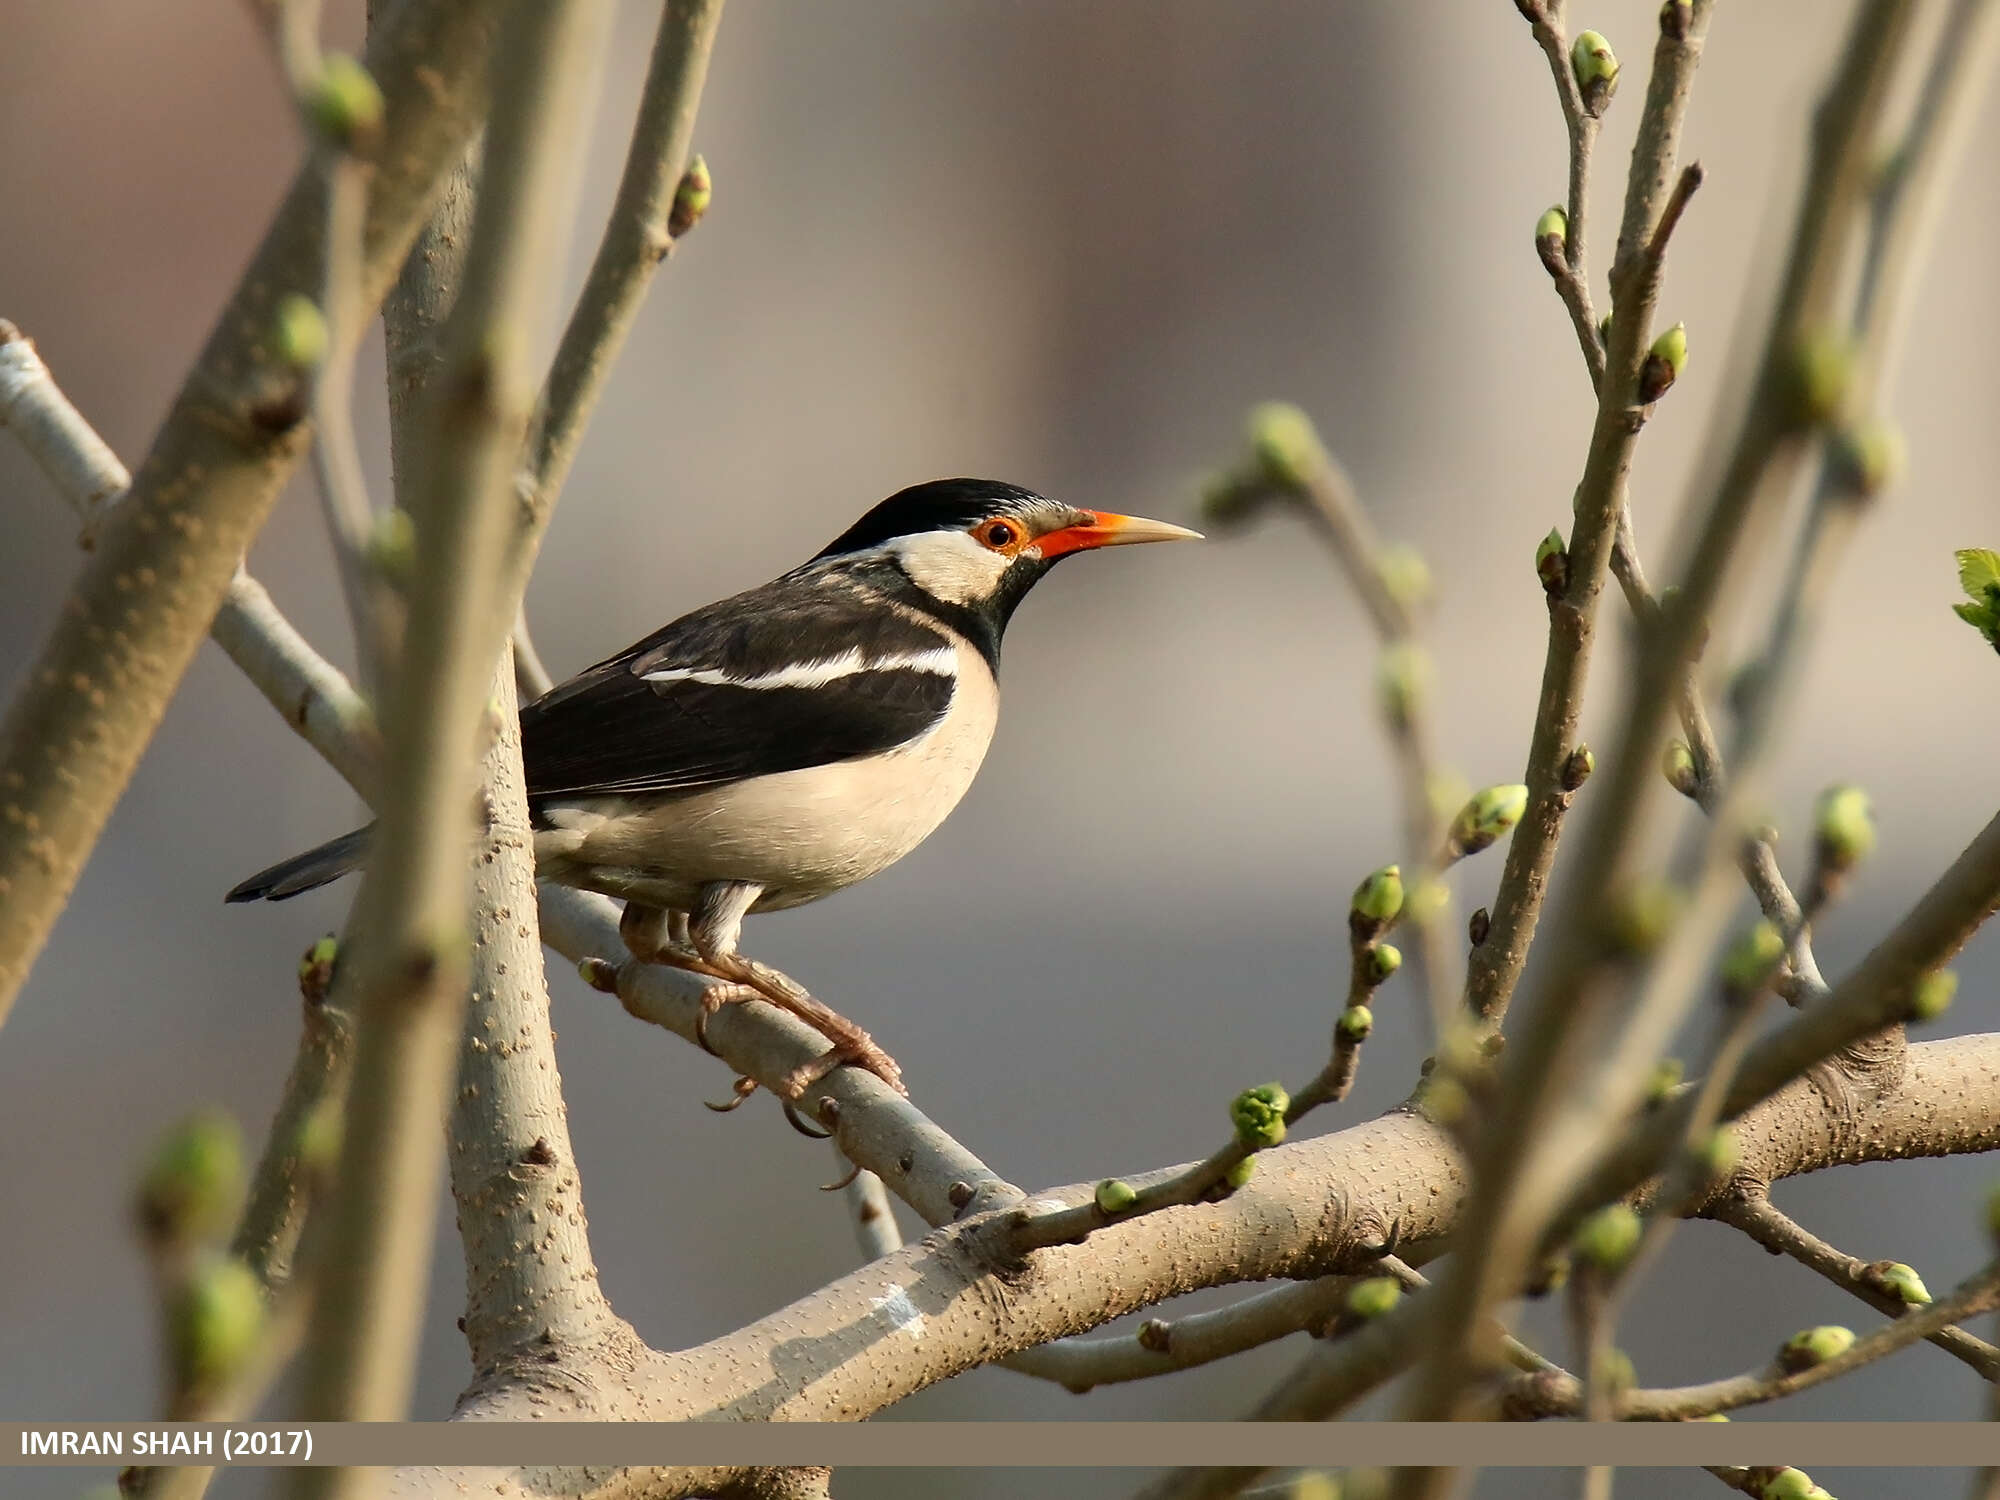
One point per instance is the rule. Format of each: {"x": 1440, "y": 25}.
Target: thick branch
{"x": 929, "y": 1311}
{"x": 409, "y": 972}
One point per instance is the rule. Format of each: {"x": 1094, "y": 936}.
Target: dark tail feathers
{"x": 308, "y": 871}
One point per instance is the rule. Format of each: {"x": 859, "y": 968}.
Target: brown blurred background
{"x": 1064, "y": 245}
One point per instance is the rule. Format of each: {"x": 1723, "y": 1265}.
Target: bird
{"x": 769, "y": 749}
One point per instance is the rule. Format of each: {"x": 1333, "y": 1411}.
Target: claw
{"x": 742, "y": 1089}
{"x": 834, "y": 1187}
{"x": 701, "y": 1032}
{"x": 793, "y": 1119}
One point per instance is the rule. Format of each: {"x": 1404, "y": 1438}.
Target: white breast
{"x": 800, "y": 834}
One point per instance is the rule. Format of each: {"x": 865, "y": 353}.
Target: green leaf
{"x": 1978, "y": 616}
{"x": 1978, "y": 570}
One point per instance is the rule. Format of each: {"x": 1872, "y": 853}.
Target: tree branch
{"x": 165, "y": 557}
{"x": 1760, "y": 1219}
{"x": 1523, "y": 1169}
{"x": 928, "y": 1311}
{"x": 409, "y": 973}
{"x": 1537, "y": 1396}
{"x": 1600, "y": 499}
{"x": 638, "y": 238}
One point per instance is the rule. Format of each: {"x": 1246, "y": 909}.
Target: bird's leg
{"x": 715, "y": 925}
{"x": 654, "y": 935}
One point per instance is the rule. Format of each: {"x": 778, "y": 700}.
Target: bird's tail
{"x": 308, "y": 871}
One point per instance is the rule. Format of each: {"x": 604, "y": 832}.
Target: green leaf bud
{"x": 1822, "y": 370}
{"x": 1844, "y": 826}
{"x": 1752, "y": 959}
{"x": 1718, "y": 1152}
{"x": 1643, "y": 914}
{"x": 1355, "y": 1023}
{"x": 1577, "y": 768}
{"x": 1374, "y": 1296}
{"x": 392, "y": 545}
{"x": 1259, "y": 1115}
{"x": 192, "y": 1188}
{"x": 1384, "y": 959}
{"x": 344, "y": 104}
{"x": 1677, "y": 765}
{"x": 1868, "y": 456}
{"x": 1404, "y": 574}
{"x": 1551, "y": 233}
{"x": 1402, "y": 680}
{"x": 1608, "y": 1237}
{"x": 1494, "y": 810}
{"x": 1815, "y": 1346}
{"x": 1790, "y": 1484}
{"x": 1315, "y": 1485}
{"x": 299, "y": 336}
{"x": 1663, "y": 364}
{"x": 1596, "y": 69}
{"x": 1899, "y": 1281}
{"x": 1286, "y": 446}
{"x": 1552, "y": 563}
{"x": 1616, "y": 1370}
{"x": 1427, "y": 898}
{"x": 691, "y": 197}
{"x": 316, "y": 970}
{"x": 214, "y": 1321}
{"x": 1241, "y": 1173}
{"x": 1443, "y": 1100}
{"x": 1932, "y": 994}
{"x": 1663, "y": 1080}
{"x": 1114, "y": 1196}
{"x": 1379, "y": 898}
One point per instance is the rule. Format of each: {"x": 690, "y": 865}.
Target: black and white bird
{"x": 782, "y": 744}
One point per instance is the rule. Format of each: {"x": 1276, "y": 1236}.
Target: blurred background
{"x": 1065, "y": 245}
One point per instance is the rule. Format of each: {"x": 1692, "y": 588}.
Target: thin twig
{"x": 1534, "y": 1397}
{"x": 1525, "y": 1167}
{"x": 637, "y": 239}
{"x": 1761, "y": 1220}
{"x": 1497, "y": 963}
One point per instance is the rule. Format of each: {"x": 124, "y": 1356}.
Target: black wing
{"x": 684, "y": 708}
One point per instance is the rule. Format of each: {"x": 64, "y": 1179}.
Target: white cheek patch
{"x": 950, "y": 565}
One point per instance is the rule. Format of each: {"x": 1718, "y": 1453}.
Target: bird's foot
{"x": 852, "y": 1047}
{"x": 855, "y": 1050}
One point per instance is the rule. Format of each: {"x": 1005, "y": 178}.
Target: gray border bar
{"x": 1021, "y": 1444}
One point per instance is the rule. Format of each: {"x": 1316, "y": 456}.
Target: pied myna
{"x": 772, "y": 748}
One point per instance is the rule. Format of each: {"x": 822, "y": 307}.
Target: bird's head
{"x": 980, "y": 545}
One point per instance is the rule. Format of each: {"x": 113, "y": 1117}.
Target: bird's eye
{"x": 999, "y": 535}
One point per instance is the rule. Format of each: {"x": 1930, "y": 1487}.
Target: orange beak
{"x": 1105, "y": 529}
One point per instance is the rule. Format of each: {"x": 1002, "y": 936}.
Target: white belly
{"x": 799, "y": 834}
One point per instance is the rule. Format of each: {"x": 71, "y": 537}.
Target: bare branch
{"x": 1538, "y": 1396}
{"x": 1162, "y": 1346}
{"x": 639, "y": 236}
{"x": 165, "y": 558}
{"x": 409, "y": 972}
{"x": 86, "y": 472}
{"x": 1522, "y": 1171}
{"x": 1760, "y": 1219}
